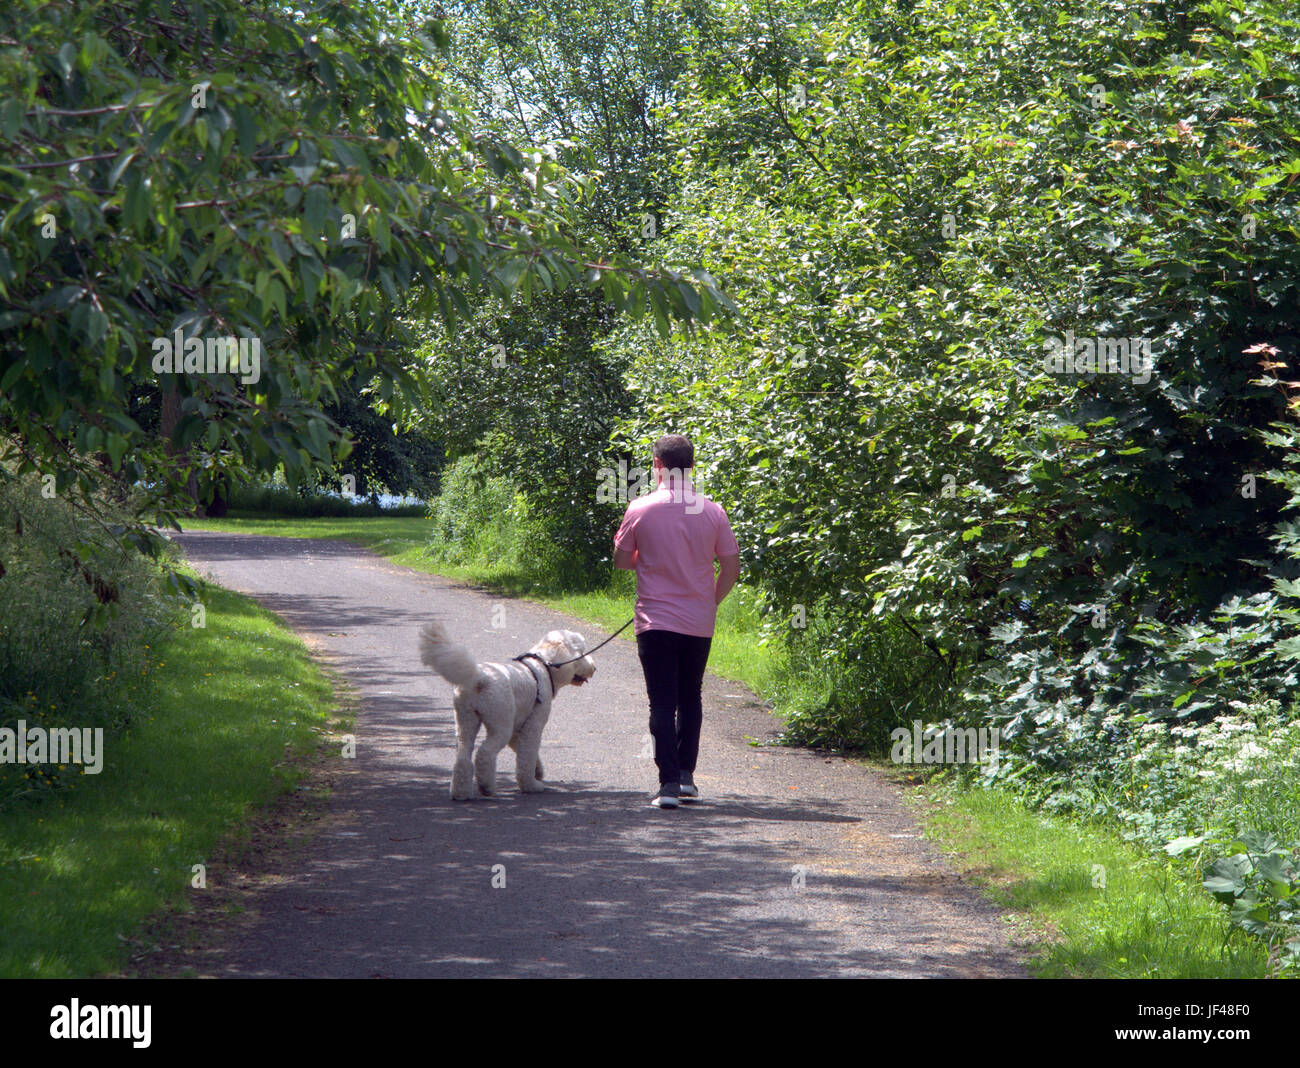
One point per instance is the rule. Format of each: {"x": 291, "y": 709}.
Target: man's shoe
{"x": 666, "y": 797}
{"x": 687, "y": 789}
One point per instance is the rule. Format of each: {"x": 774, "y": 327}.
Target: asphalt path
{"x": 794, "y": 865}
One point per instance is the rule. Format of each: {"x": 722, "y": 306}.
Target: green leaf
{"x": 123, "y": 161}
{"x": 315, "y": 207}
{"x": 246, "y": 128}
{"x": 115, "y": 445}
{"x": 1227, "y": 876}
{"x": 1178, "y": 846}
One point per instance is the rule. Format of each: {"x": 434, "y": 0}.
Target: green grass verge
{"x": 1086, "y": 903}
{"x": 233, "y": 705}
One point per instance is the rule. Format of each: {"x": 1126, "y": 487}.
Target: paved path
{"x": 597, "y": 883}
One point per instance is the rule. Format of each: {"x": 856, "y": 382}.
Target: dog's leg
{"x": 514, "y": 744}
{"x": 485, "y": 760}
{"x": 528, "y": 769}
{"x": 462, "y": 776}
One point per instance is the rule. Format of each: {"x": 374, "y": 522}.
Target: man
{"x": 671, "y": 538}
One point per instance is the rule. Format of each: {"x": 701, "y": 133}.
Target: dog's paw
{"x": 535, "y": 787}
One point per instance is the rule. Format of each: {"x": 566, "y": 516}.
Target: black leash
{"x": 600, "y": 646}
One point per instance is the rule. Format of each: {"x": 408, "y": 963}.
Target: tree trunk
{"x": 171, "y": 415}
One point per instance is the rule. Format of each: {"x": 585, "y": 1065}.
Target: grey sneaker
{"x": 687, "y": 789}
{"x": 666, "y": 797}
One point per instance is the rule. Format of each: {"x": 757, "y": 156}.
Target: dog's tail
{"x": 453, "y": 662}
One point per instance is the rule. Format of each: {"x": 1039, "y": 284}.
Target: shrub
{"x": 473, "y": 518}
{"x": 847, "y": 687}
{"x": 80, "y": 619}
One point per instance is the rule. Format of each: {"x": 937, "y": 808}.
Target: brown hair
{"x": 676, "y": 452}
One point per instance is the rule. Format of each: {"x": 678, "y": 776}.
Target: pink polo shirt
{"x": 677, "y": 541}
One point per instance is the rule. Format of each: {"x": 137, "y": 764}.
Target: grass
{"x": 81, "y": 872}
{"x": 1151, "y": 920}
{"x": 1085, "y": 903}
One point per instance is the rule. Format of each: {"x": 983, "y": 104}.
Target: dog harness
{"x": 537, "y": 678}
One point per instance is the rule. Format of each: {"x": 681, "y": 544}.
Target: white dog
{"x": 512, "y": 701}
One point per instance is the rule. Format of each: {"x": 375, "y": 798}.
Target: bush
{"x": 473, "y": 518}
{"x": 481, "y": 519}
{"x": 847, "y": 687}
{"x": 79, "y": 620}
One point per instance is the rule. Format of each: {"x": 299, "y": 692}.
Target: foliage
{"x": 903, "y": 238}
{"x": 384, "y": 457}
{"x": 303, "y": 179}
{"x": 593, "y": 77}
{"x": 492, "y": 388}
{"x": 1259, "y": 880}
{"x": 481, "y": 519}
{"x": 847, "y": 688}
{"x": 280, "y": 500}
{"x": 527, "y": 387}
{"x": 471, "y": 516}
{"x": 78, "y": 630}
{"x": 89, "y": 886}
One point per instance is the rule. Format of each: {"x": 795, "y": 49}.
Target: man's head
{"x": 674, "y": 452}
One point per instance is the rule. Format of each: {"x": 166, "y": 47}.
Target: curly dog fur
{"x": 512, "y": 701}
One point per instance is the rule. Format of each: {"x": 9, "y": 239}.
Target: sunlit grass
{"x": 399, "y": 538}
{"x": 231, "y": 704}
{"x": 1089, "y": 903}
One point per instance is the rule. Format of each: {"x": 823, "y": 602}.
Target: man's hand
{"x": 625, "y": 560}
{"x": 728, "y": 572}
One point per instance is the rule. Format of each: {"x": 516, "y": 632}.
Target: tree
{"x": 595, "y": 77}
{"x": 385, "y": 456}
{"x": 905, "y": 236}
{"x": 303, "y": 183}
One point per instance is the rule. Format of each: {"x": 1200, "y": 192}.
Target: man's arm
{"x": 625, "y": 560}
{"x": 728, "y": 572}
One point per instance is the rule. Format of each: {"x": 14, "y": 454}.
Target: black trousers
{"x": 674, "y": 678}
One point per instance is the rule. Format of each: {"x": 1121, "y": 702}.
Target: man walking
{"x": 671, "y": 538}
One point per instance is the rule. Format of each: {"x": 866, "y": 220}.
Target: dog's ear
{"x": 552, "y": 646}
